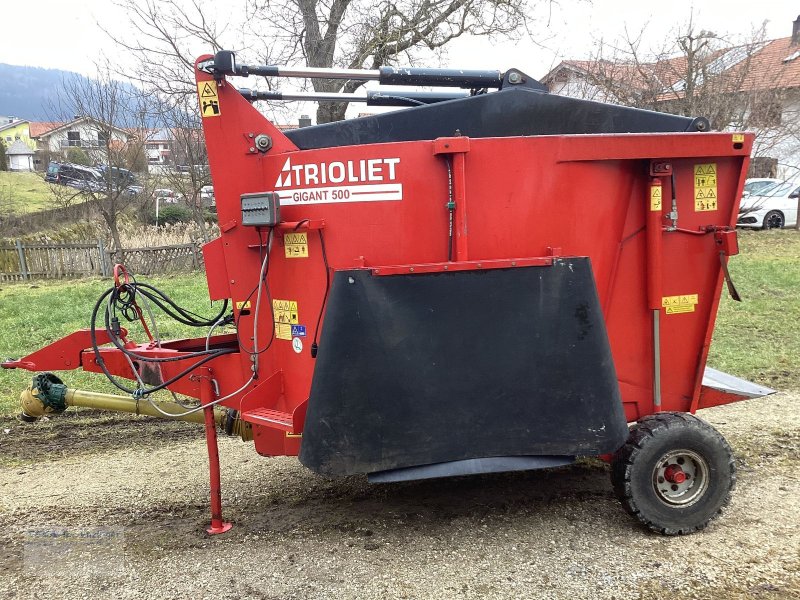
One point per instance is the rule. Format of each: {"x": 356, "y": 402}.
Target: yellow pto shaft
{"x": 47, "y": 395}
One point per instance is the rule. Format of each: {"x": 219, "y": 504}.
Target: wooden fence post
{"x": 195, "y": 260}
{"x": 101, "y": 249}
{"x": 23, "y": 265}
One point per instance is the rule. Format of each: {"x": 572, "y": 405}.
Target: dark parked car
{"x": 76, "y": 176}
{"x": 120, "y": 177}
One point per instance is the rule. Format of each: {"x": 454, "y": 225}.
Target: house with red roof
{"x": 754, "y": 87}
{"x": 55, "y": 138}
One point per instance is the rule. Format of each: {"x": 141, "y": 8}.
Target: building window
{"x": 102, "y": 138}
{"x": 73, "y": 138}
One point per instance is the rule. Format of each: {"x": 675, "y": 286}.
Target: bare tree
{"x": 318, "y": 33}
{"x": 116, "y": 113}
{"x": 695, "y": 73}
{"x": 189, "y": 174}
{"x": 357, "y": 34}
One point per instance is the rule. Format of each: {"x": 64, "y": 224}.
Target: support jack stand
{"x": 206, "y": 397}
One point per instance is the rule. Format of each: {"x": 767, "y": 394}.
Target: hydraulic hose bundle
{"x": 121, "y": 301}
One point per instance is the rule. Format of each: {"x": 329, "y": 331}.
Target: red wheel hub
{"x": 674, "y": 474}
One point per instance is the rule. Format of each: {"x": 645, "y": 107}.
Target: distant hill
{"x": 30, "y": 92}
{"x": 27, "y": 91}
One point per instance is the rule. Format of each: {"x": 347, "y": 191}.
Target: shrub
{"x": 77, "y": 156}
{"x": 170, "y": 214}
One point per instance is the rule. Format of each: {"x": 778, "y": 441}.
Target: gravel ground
{"x": 94, "y": 507}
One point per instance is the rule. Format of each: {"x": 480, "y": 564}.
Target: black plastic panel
{"x": 430, "y": 368}
{"x": 509, "y": 112}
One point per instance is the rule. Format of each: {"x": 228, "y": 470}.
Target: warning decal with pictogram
{"x": 209, "y": 100}
{"x": 705, "y": 187}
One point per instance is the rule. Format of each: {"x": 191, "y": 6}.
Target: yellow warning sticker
{"x": 738, "y": 138}
{"x": 296, "y": 245}
{"x": 209, "y": 101}
{"x": 675, "y": 305}
{"x": 243, "y": 305}
{"x": 283, "y": 331}
{"x": 655, "y": 197}
{"x": 285, "y": 311}
{"x": 705, "y": 187}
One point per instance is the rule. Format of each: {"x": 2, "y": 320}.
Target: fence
{"x": 56, "y": 261}
{"x": 12, "y": 225}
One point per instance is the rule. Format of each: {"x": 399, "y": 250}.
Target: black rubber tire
{"x": 774, "y": 219}
{"x": 633, "y": 466}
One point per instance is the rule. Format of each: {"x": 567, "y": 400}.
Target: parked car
{"x": 121, "y": 178}
{"x": 199, "y": 169}
{"x": 76, "y": 176}
{"x": 207, "y": 199}
{"x": 754, "y": 185}
{"x": 166, "y": 195}
{"x": 774, "y": 207}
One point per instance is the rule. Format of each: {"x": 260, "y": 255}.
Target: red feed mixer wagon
{"x": 493, "y": 279}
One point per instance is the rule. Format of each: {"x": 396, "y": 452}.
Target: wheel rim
{"x": 775, "y": 221}
{"x": 680, "y": 478}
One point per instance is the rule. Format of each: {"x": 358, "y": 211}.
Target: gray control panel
{"x": 261, "y": 209}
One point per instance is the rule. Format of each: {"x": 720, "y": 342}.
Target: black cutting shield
{"x": 429, "y": 368}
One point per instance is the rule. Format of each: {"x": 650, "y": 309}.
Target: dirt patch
{"x": 553, "y": 534}
{"x": 85, "y": 432}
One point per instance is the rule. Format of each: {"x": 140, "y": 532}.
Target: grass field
{"x": 33, "y": 315}
{"x": 23, "y": 193}
{"x": 757, "y": 339}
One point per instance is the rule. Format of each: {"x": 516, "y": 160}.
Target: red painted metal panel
{"x": 517, "y": 197}
{"x": 383, "y": 207}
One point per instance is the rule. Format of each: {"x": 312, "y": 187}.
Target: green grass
{"x": 758, "y": 339}
{"x": 24, "y": 193}
{"x": 34, "y": 315}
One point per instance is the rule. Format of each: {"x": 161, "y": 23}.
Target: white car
{"x": 774, "y": 207}
{"x": 754, "y": 185}
{"x": 165, "y": 195}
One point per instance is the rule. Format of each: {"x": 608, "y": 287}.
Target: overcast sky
{"x": 67, "y": 34}
{"x": 59, "y": 34}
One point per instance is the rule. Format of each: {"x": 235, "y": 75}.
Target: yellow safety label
{"x": 283, "y": 331}
{"x": 243, "y": 305}
{"x": 209, "y": 101}
{"x": 738, "y": 138}
{"x": 655, "y": 197}
{"x": 296, "y": 245}
{"x": 285, "y": 311}
{"x": 679, "y": 304}
{"x": 705, "y": 187}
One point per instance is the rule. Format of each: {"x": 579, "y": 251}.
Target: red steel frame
{"x": 519, "y": 202}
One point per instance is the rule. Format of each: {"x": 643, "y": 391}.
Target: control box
{"x": 261, "y": 209}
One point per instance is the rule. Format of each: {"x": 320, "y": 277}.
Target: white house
{"x": 159, "y": 146}
{"x": 20, "y": 156}
{"x": 81, "y": 132}
{"x": 770, "y": 89}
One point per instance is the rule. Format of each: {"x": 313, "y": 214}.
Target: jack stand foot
{"x": 215, "y": 529}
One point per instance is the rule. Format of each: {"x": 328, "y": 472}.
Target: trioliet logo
{"x": 365, "y": 180}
